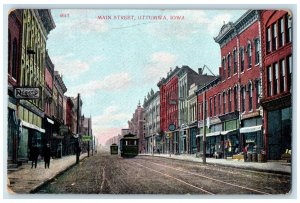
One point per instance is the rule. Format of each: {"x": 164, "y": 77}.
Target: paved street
{"x": 111, "y": 174}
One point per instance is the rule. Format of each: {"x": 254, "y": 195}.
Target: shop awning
{"x": 29, "y": 125}
{"x": 226, "y": 132}
{"x": 250, "y": 129}
{"x": 213, "y": 134}
{"x": 50, "y": 121}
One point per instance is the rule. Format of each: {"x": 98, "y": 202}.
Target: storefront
{"x": 12, "y": 133}
{"x": 251, "y": 135}
{"x": 231, "y": 138}
{"x": 279, "y": 133}
{"x": 30, "y": 136}
{"x": 192, "y": 139}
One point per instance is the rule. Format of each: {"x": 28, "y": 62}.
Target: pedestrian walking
{"x": 47, "y": 155}
{"x": 245, "y": 151}
{"x": 34, "y": 154}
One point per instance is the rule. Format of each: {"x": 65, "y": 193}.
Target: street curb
{"x": 238, "y": 167}
{"x": 36, "y": 188}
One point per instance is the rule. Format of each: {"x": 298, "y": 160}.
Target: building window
{"x": 257, "y": 51}
{"x": 289, "y": 68}
{"x": 275, "y": 72}
{"x": 228, "y": 62}
{"x": 282, "y": 76}
{"x": 288, "y": 21}
{"x": 242, "y": 59}
{"x": 219, "y": 104}
{"x": 249, "y": 51}
{"x": 269, "y": 78}
{"x": 224, "y": 67}
{"x": 224, "y": 102}
{"x": 215, "y": 98}
{"x": 281, "y": 32}
{"x": 257, "y": 91}
{"x": 234, "y": 62}
{"x": 210, "y": 107}
{"x": 268, "y": 40}
{"x": 250, "y": 97}
{"x": 15, "y": 60}
{"x": 243, "y": 99}
{"x": 229, "y": 101}
{"x": 235, "y": 98}
{"x": 274, "y": 37}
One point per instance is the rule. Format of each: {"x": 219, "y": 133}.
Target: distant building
{"x": 136, "y": 126}
{"x": 152, "y": 122}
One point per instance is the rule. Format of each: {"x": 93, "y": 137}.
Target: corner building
{"x": 277, "y": 62}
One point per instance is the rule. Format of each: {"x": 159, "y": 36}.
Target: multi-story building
{"x": 152, "y": 124}
{"x": 15, "y": 19}
{"x": 229, "y": 110}
{"x": 136, "y": 126}
{"x": 86, "y": 130}
{"x": 49, "y": 78}
{"x": 169, "y": 110}
{"x": 59, "y": 129}
{"x": 173, "y": 106}
{"x": 186, "y": 77}
{"x": 190, "y": 145}
{"x": 70, "y": 122}
{"x": 36, "y": 26}
{"x": 276, "y": 34}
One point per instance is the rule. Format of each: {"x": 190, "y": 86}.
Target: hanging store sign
{"x": 172, "y": 127}
{"x": 27, "y": 92}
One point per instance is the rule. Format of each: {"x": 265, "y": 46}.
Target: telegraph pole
{"x": 77, "y": 129}
{"x": 204, "y": 130}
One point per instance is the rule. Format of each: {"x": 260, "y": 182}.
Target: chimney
{"x": 200, "y": 71}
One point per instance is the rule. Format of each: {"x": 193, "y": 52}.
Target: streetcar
{"x": 129, "y": 146}
{"x": 114, "y": 149}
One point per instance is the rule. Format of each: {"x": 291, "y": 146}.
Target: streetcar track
{"x": 172, "y": 177}
{"x": 240, "y": 169}
{"x": 213, "y": 179}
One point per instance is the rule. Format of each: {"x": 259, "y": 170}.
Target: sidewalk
{"x": 270, "y": 166}
{"x": 26, "y": 180}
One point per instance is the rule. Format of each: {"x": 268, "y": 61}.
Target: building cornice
{"x": 231, "y": 30}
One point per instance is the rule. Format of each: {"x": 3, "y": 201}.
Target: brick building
{"x": 14, "y": 62}
{"x": 49, "y": 80}
{"x": 136, "y": 126}
{"x": 229, "y": 105}
{"x": 276, "y": 32}
{"x": 169, "y": 108}
{"x": 174, "y": 108}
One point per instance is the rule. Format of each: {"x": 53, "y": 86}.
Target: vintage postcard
{"x": 149, "y": 101}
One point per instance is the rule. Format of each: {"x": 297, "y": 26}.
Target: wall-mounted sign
{"x": 27, "y": 92}
{"x": 86, "y": 138}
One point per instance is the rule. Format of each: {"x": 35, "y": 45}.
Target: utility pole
{"x": 88, "y": 142}
{"x": 204, "y": 130}
{"x": 77, "y": 129}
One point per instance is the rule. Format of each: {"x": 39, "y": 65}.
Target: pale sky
{"x": 114, "y": 63}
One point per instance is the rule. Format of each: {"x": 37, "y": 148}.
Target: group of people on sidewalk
{"x": 34, "y": 154}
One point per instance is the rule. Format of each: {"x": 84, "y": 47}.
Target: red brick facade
{"x": 169, "y": 100}
{"x": 14, "y": 46}
{"x": 277, "y": 63}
